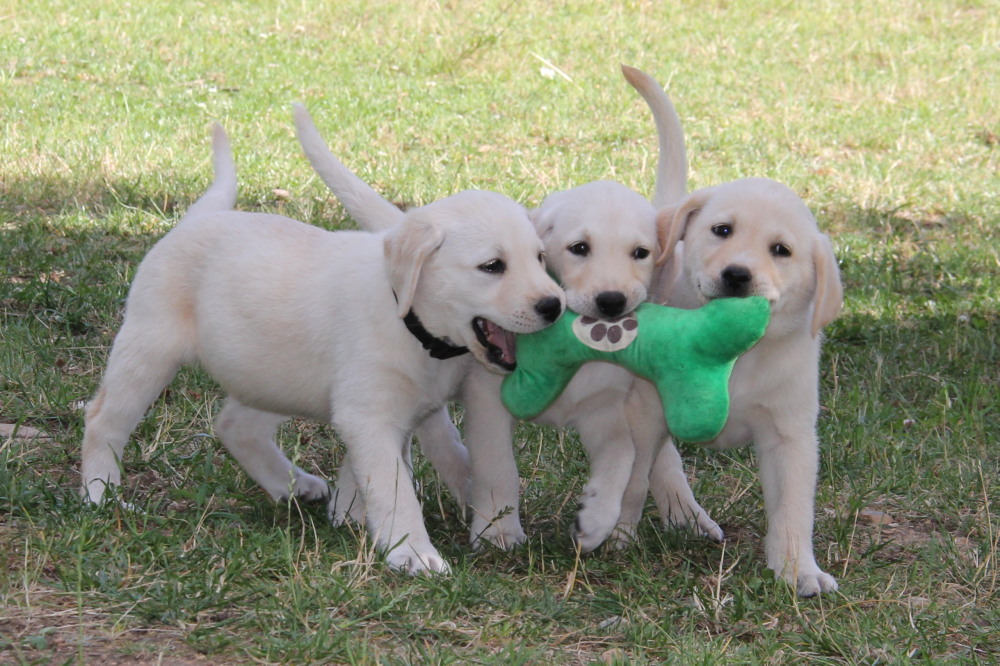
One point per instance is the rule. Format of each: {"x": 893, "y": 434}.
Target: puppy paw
{"x": 807, "y": 578}
{"x": 594, "y": 523}
{"x": 309, "y": 487}
{"x": 812, "y": 584}
{"x": 408, "y": 560}
{"x": 707, "y": 528}
{"x": 696, "y": 519}
{"x": 502, "y": 533}
{"x": 623, "y": 536}
{"x": 111, "y": 498}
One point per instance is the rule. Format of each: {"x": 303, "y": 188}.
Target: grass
{"x": 882, "y": 116}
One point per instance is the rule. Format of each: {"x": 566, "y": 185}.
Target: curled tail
{"x": 671, "y": 171}
{"x": 368, "y": 208}
{"x": 221, "y": 194}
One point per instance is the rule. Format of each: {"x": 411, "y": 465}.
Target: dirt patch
{"x": 27, "y": 433}
{"x": 46, "y": 625}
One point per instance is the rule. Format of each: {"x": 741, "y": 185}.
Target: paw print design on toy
{"x": 607, "y": 334}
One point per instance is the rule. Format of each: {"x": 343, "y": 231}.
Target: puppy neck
{"x": 436, "y": 347}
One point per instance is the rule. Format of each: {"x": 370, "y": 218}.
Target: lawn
{"x": 882, "y": 116}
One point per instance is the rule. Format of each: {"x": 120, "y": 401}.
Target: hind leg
{"x": 674, "y": 497}
{"x": 138, "y": 369}
{"x": 658, "y": 467}
{"x": 346, "y": 502}
{"x": 249, "y": 435}
{"x": 442, "y": 444}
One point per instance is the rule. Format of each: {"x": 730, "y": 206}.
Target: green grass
{"x": 882, "y": 116}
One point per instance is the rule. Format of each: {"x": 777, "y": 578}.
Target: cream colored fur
{"x": 747, "y": 237}
{"x": 602, "y": 242}
{"x": 292, "y": 320}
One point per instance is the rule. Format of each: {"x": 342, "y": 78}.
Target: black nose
{"x": 736, "y": 280}
{"x": 611, "y": 303}
{"x": 550, "y": 308}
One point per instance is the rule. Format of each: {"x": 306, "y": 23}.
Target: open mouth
{"x": 500, "y": 344}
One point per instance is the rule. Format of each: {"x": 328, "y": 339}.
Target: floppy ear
{"x": 407, "y": 247}
{"x": 829, "y": 297}
{"x": 672, "y": 221}
{"x": 543, "y": 223}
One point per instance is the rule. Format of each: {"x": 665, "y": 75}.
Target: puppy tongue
{"x": 503, "y": 343}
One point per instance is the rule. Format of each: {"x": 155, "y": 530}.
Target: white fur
{"x": 618, "y": 227}
{"x": 762, "y": 231}
{"x": 602, "y": 242}
{"x": 292, "y": 320}
{"x": 774, "y": 388}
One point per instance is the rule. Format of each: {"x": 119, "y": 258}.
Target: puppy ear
{"x": 672, "y": 222}
{"x": 829, "y": 297}
{"x": 543, "y": 223}
{"x": 407, "y": 246}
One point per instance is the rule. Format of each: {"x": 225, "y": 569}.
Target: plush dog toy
{"x": 687, "y": 354}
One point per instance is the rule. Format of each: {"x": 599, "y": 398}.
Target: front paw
{"x": 308, "y": 487}
{"x": 412, "y": 561}
{"x": 694, "y": 518}
{"x": 814, "y": 583}
{"x": 793, "y": 561}
{"x": 701, "y": 525}
{"x": 594, "y": 523}
{"x": 504, "y": 532}
{"x": 807, "y": 578}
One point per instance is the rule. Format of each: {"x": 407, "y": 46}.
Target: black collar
{"x": 437, "y": 347}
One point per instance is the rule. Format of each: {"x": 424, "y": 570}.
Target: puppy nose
{"x": 611, "y": 303}
{"x": 736, "y": 279}
{"x": 549, "y": 307}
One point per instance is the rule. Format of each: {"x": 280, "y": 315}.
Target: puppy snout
{"x": 611, "y": 303}
{"x": 549, "y": 308}
{"x": 736, "y": 280}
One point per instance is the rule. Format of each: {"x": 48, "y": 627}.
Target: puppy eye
{"x": 494, "y": 266}
{"x": 722, "y": 230}
{"x": 640, "y": 253}
{"x": 541, "y": 258}
{"x": 781, "y": 250}
{"x": 580, "y": 248}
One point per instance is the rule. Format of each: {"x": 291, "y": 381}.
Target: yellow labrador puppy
{"x": 748, "y": 237}
{"x": 602, "y": 242}
{"x": 337, "y": 327}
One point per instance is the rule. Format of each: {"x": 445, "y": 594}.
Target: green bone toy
{"x": 687, "y": 354}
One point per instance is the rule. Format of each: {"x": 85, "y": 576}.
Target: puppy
{"x": 749, "y": 237}
{"x": 602, "y": 242}
{"x": 293, "y": 320}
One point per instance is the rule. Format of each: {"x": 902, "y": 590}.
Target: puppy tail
{"x": 671, "y": 172}
{"x": 364, "y": 204}
{"x": 221, "y": 195}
